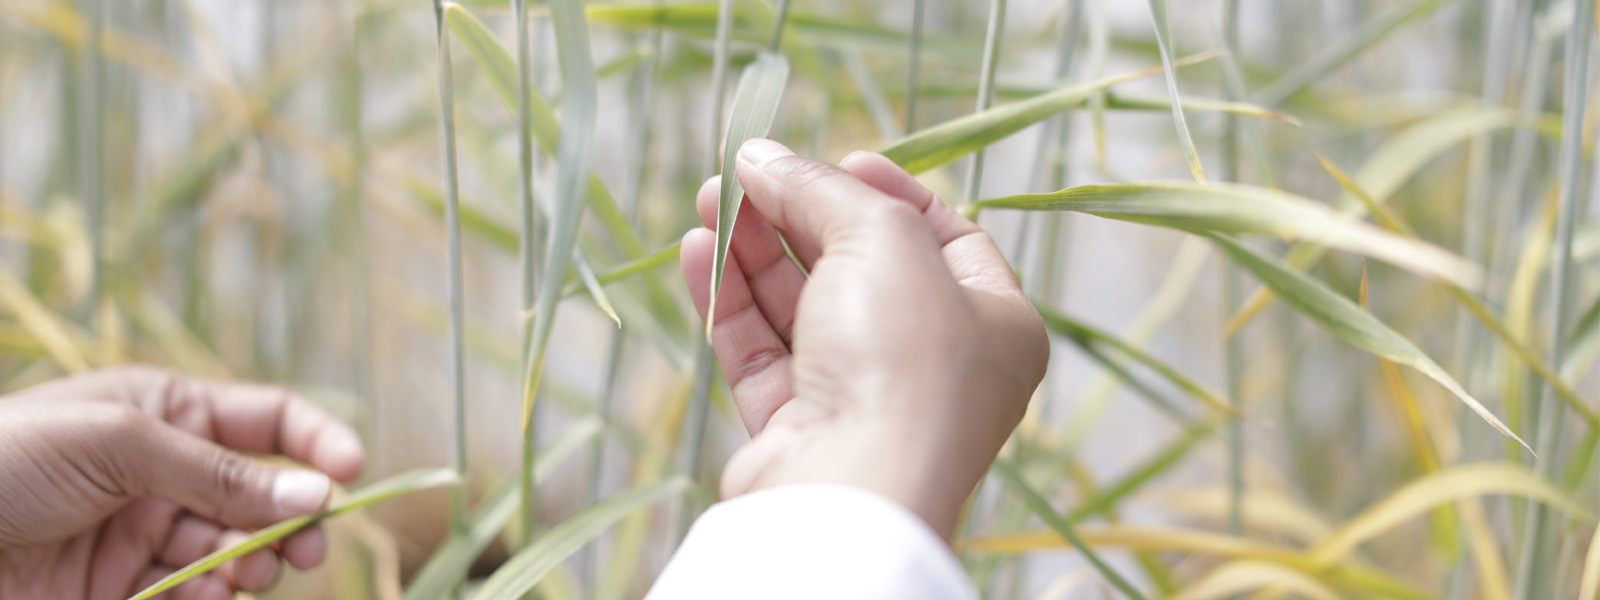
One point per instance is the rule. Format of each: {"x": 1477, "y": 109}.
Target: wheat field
{"x": 1323, "y": 278}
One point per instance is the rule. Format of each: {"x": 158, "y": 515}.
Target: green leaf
{"x": 449, "y": 562}
{"x": 1237, "y": 208}
{"x": 579, "y": 104}
{"x": 1158, "y": 14}
{"x": 755, "y": 105}
{"x": 499, "y": 65}
{"x": 1348, "y": 322}
{"x": 523, "y": 570}
{"x": 942, "y": 144}
{"x": 1060, "y": 324}
{"x": 393, "y": 487}
{"x": 1041, "y": 507}
{"x": 1387, "y": 169}
{"x": 1334, "y": 55}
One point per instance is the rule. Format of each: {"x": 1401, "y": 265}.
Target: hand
{"x": 111, "y": 480}
{"x": 900, "y": 366}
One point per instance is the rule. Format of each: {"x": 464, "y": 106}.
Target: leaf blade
{"x": 755, "y": 105}
{"x": 523, "y": 570}
{"x": 398, "y": 485}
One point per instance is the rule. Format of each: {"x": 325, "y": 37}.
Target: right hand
{"x": 903, "y": 362}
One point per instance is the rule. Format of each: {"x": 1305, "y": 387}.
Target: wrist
{"x": 928, "y": 476}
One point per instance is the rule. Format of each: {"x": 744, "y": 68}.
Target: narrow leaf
{"x": 1041, "y": 507}
{"x": 1235, "y": 578}
{"x": 1063, "y": 325}
{"x": 1247, "y": 209}
{"x": 942, "y": 144}
{"x": 579, "y": 99}
{"x": 1455, "y": 483}
{"x": 393, "y": 487}
{"x": 1590, "y": 588}
{"x": 1158, "y": 14}
{"x": 755, "y": 105}
{"x": 523, "y": 570}
{"x": 1348, "y": 322}
{"x": 449, "y": 562}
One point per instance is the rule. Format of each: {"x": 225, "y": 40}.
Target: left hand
{"x": 114, "y": 479}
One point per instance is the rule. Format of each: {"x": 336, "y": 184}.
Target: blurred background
{"x": 254, "y": 190}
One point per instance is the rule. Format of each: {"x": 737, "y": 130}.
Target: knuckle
{"x": 798, "y": 171}
{"x": 230, "y": 474}
{"x": 755, "y": 362}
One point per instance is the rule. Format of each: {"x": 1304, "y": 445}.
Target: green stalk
{"x": 913, "y": 65}
{"x": 355, "y": 209}
{"x": 447, "y": 132}
{"x": 777, "y": 25}
{"x": 1477, "y": 211}
{"x": 91, "y": 158}
{"x": 1050, "y": 160}
{"x": 642, "y": 96}
{"x": 719, "y": 83}
{"x": 991, "y": 54}
{"x": 695, "y": 421}
{"x": 1531, "y": 584}
{"x": 1232, "y": 345}
{"x": 527, "y": 242}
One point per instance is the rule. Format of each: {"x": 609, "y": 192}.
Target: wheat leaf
{"x": 1348, "y": 322}
{"x": 393, "y": 487}
{"x": 755, "y": 105}
{"x": 1455, "y": 483}
{"x": 523, "y": 570}
{"x": 1247, "y": 209}
{"x": 942, "y": 144}
{"x": 449, "y": 562}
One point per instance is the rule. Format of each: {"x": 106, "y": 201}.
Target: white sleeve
{"x": 812, "y": 541}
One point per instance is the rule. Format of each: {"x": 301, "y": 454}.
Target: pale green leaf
{"x": 449, "y": 562}
{"x": 1246, "y": 209}
{"x": 579, "y": 106}
{"x": 1350, "y": 323}
{"x": 393, "y": 487}
{"x": 942, "y": 144}
{"x": 1041, "y": 507}
{"x": 755, "y": 105}
{"x": 523, "y": 570}
{"x": 1158, "y": 14}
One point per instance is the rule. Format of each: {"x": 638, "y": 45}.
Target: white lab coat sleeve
{"x": 812, "y": 541}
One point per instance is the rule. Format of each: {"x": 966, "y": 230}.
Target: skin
{"x": 116, "y": 478}
{"x": 902, "y": 363}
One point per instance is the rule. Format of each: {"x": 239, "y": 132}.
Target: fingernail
{"x": 299, "y": 492}
{"x": 760, "y": 151}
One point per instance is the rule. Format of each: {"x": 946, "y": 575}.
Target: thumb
{"x": 821, "y": 202}
{"x": 217, "y": 483}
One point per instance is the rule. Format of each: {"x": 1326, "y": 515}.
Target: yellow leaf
{"x": 1456, "y": 483}
{"x": 1242, "y": 576}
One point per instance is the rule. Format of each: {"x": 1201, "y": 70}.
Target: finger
{"x": 192, "y": 538}
{"x": 265, "y": 419}
{"x": 821, "y": 204}
{"x": 305, "y": 549}
{"x": 969, "y": 252}
{"x": 155, "y": 459}
{"x": 247, "y": 417}
{"x": 202, "y": 587}
{"x": 774, "y": 280}
{"x": 754, "y": 359}
{"x": 129, "y": 540}
{"x": 251, "y": 572}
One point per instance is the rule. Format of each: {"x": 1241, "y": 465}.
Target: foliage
{"x": 351, "y": 205}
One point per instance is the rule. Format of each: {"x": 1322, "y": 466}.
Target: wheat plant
{"x": 1324, "y": 278}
